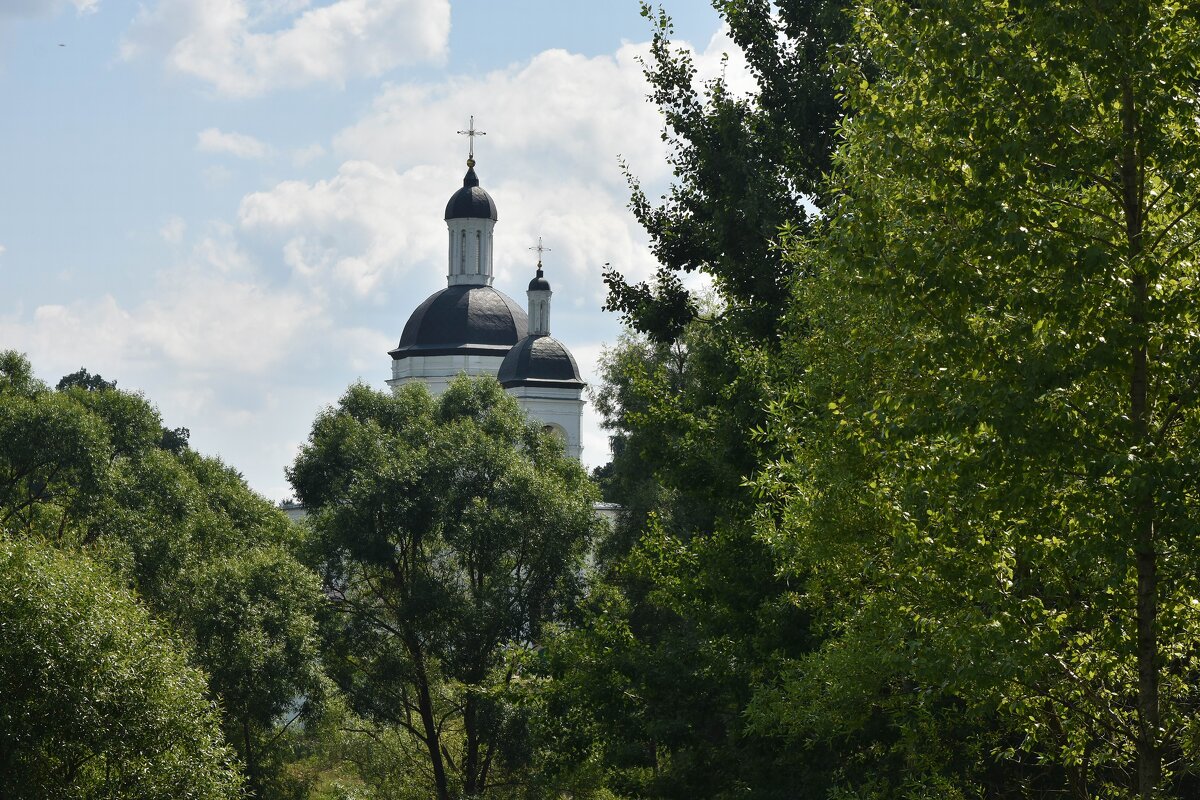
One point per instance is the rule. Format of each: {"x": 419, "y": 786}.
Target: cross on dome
{"x": 540, "y": 249}
{"x": 471, "y": 133}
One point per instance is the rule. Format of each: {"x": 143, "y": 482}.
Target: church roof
{"x": 463, "y": 319}
{"x": 539, "y": 361}
{"x": 471, "y": 202}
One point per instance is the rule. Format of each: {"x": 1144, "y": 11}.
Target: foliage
{"x": 85, "y": 468}
{"x": 98, "y": 700}
{"x": 744, "y": 166}
{"x": 702, "y": 614}
{"x": 449, "y": 532}
{"x": 82, "y": 379}
{"x": 990, "y": 442}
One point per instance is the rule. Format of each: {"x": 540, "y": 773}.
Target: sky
{"x": 233, "y": 206}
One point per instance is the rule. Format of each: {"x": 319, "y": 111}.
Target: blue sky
{"x": 233, "y": 205}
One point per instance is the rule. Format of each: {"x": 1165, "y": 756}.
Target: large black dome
{"x": 471, "y": 202}
{"x": 463, "y": 320}
{"x": 539, "y": 361}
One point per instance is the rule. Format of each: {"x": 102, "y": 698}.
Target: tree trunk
{"x": 471, "y": 784}
{"x": 1149, "y": 768}
{"x": 425, "y": 705}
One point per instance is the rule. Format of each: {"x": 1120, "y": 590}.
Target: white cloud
{"x": 214, "y": 343}
{"x": 354, "y": 227}
{"x": 173, "y": 230}
{"x": 248, "y": 47}
{"x": 379, "y": 219}
{"x": 212, "y": 140}
{"x": 3, "y": 249}
{"x": 196, "y": 321}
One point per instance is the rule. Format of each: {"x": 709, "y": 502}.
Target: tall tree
{"x": 682, "y": 404}
{"x": 1005, "y": 373}
{"x": 450, "y": 531}
{"x": 744, "y": 166}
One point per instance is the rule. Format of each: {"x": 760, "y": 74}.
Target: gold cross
{"x": 540, "y": 249}
{"x": 471, "y": 133}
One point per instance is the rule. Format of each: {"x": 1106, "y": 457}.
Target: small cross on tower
{"x": 471, "y": 133}
{"x": 540, "y": 249}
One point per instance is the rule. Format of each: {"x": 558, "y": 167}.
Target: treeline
{"x": 909, "y": 498}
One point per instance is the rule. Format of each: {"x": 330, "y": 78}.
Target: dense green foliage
{"x": 999, "y": 484}
{"x": 87, "y": 469}
{"x": 98, "y": 701}
{"x": 449, "y": 532}
{"x": 974, "y": 450}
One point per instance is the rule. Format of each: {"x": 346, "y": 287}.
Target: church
{"x": 471, "y": 327}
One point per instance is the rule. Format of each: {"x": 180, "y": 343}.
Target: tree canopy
{"x": 450, "y": 531}
{"x": 99, "y": 700}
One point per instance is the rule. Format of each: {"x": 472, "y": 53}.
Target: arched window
{"x": 478, "y": 253}
{"x": 462, "y": 253}
{"x": 559, "y": 432}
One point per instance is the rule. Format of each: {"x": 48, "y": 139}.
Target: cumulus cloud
{"x": 354, "y": 227}
{"x": 245, "y": 48}
{"x": 213, "y": 140}
{"x": 213, "y": 342}
{"x": 556, "y": 125}
{"x": 196, "y": 320}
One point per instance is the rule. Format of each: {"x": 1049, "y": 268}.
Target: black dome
{"x": 539, "y": 284}
{"x": 470, "y": 201}
{"x": 463, "y": 319}
{"x": 539, "y": 361}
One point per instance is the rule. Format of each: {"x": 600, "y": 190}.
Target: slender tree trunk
{"x": 251, "y": 767}
{"x": 471, "y": 783}
{"x": 425, "y": 705}
{"x": 1149, "y": 769}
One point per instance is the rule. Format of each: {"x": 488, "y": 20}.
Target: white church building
{"x": 471, "y": 327}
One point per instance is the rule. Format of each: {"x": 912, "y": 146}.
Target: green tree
{"x": 86, "y": 468}
{"x": 82, "y": 379}
{"x": 98, "y": 700}
{"x": 993, "y": 430}
{"x": 703, "y": 608}
{"x": 450, "y": 531}
{"x": 743, "y": 166}
{"x": 652, "y": 679}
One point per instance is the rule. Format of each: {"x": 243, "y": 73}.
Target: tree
{"x": 683, "y": 402}
{"x": 449, "y": 532}
{"x": 743, "y": 166}
{"x": 82, "y": 379}
{"x": 997, "y": 464}
{"x": 98, "y": 699}
{"x": 85, "y": 468}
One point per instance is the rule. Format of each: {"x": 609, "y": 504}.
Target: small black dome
{"x": 463, "y": 319}
{"x": 539, "y": 284}
{"x": 471, "y": 202}
{"x": 539, "y": 361}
